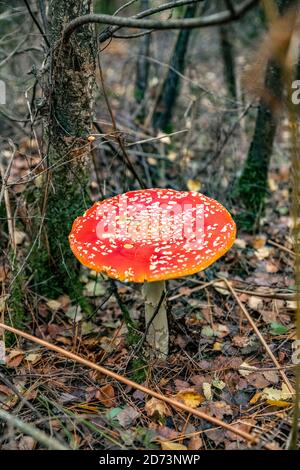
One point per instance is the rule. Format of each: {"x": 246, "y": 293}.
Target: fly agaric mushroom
{"x": 149, "y": 236}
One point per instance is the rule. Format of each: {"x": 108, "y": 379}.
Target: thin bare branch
{"x": 259, "y": 335}
{"x": 201, "y": 22}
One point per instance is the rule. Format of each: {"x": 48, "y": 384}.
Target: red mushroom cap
{"x": 152, "y": 234}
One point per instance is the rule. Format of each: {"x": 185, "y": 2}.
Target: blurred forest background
{"x": 110, "y": 109}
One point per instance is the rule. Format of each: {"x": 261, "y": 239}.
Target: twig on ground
{"x": 281, "y": 247}
{"x": 260, "y": 336}
{"x": 174, "y": 403}
{"x": 263, "y": 295}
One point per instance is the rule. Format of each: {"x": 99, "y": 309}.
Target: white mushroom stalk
{"x": 156, "y": 319}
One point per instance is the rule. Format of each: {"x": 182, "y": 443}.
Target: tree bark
{"x": 169, "y": 92}
{"x": 68, "y": 94}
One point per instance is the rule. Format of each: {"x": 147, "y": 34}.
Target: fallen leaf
{"x": 269, "y": 316}
{"x": 255, "y": 398}
{"x": 273, "y": 186}
{"x": 106, "y": 395}
{"x": 240, "y": 341}
{"x": 240, "y": 243}
{"x": 190, "y": 398}
{"x": 207, "y": 390}
{"x": 262, "y": 253}
{"x": 271, "y": 376}
{"x": 245, "y": 372}
{"x": 257, "y": 380}
{"x": 207, "y": 331}
{"x": 54, "y": 305}
{"x": 245, "y": 426}
{"x": 220, "y": 287}
{"x": 195, "y": 443}
{"x": 219, "y": 409}
{"x": 164, "y": 138}
{"x": 27, "y": 443}
{"x": 152, "y": 161}
{"x": 222, "y": 330}
{"x": 94, "y": 289}
{"x": 255, "y": 302}
{"x": 291, "y": 304}
{"x": 278, "y": 329}
{"x": 271, "y": 267}
{"x": 275, "y": 394}
{"x": 286, "y": 394}
{"x": 64, "y": 301}
{"x": 4, "y": 270}
{"x": 259, "y": 242}
{"x": 156, "y": 406}
{"x": 181, "y": 385}
{"x": 74, "y": 313}
{"x": 14, "y": 358}
{"x": 5, "y": 390}
{"x": 168, "y": 445}
{"x": 127, "y": 416}
{"x": 217, "y": 346}
{"x": 166, "y": 433}
{"x": 193, "y": 185}
{"x": 218, "y": 384}
{"x": 278, "y": 403}
{"x": 33, "y": 357}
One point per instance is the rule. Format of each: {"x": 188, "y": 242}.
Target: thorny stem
{"x": 156, "y": 319}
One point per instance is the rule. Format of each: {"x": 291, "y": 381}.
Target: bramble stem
{"x": 156, "y": 319}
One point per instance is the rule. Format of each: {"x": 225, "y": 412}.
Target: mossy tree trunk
{"x": 63, "y": 194}
{"x": 169, "y": 92}
{"x": 251, "y": 188}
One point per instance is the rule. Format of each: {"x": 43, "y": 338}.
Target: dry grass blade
{"x": 174, "y": 403}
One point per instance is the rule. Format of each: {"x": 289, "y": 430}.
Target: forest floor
{"x": 217, "y": 364}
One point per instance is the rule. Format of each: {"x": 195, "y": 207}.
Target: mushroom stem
{"x": 156, "y": 319}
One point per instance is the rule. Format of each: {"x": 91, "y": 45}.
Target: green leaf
{"x": 207, "y": 331}
{"x": 278, "y": 329}
{"x": 113, "y": 413}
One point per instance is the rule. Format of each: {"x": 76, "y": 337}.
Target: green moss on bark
{"x": 62, "y": 194}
